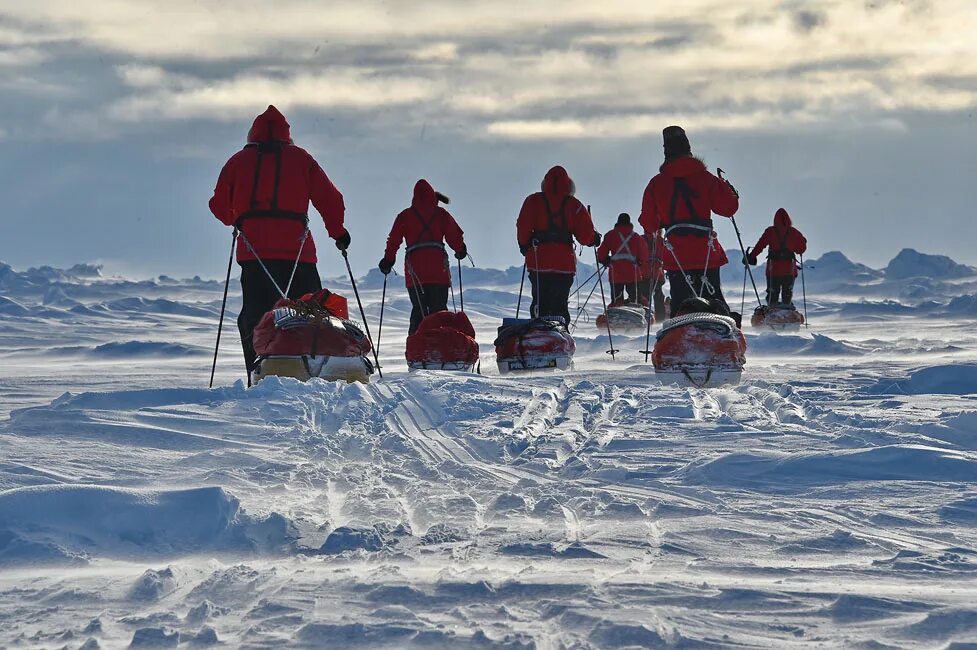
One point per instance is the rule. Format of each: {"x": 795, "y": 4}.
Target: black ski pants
{"x": 426, "y": 299}
{"x": 780, "y": 289}
{"x": 551, "y": 294}
{"x": 681, "y": 291}
{"x": 657, "y": 300}
{"x": 260, "y": 295}
{"x": 631, "y": 288}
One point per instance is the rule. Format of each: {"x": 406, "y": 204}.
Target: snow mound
{"x": 10, "y": 307}
{"x": 834, "y": 265}
{"x": 954, "y": 379}
{"x": 962, "y": 306}
{"x": 910, "y": 263}
{"x": 771, "y": 343}
{"x": 67, "y": 523}
{"x": 890, "y": 463}
{"x": 141, "y": 349}
{"x": 158, "y": 306}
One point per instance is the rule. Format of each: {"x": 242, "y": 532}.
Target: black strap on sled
{"x": 692, "y": 223}
{"x": 557, "y": 230}
{"x": 273, "y": 147}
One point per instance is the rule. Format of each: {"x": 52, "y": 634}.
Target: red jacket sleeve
{"x": 604, "y": 250}
{"x": 764, "y": 241}
{"x": 725, "y": 203}
{"x": 798, "y": 242}
{"x": 453, "y": 233}
{"x": 581, "y": 225}
{"x": 394, "y": 239}
{"x": 221, "y": 202}
{"x": 524, "y": 223}
{"x": 650, "y": 220}
{"x": 327, "y": 200}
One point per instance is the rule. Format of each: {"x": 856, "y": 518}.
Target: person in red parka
{"x": 264, "y": 192}
{"x": 545, "y": 229}
{"x": 425, "y": 227}
{"x": 625, "y": 253}
{"x": 785, "y": 241}
{"x": 681, "y": 200}
{"x": 652, "y": 285}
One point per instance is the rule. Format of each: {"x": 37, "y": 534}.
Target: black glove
{"x": 753, "y": 260}
{"x": 385, "y": 266}
{"x": 597, "y": 239}
{"x": 462, "y": 253}
{"x": 342, "y": 243}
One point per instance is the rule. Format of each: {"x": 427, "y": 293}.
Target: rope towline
{"x": 283, "y": 294}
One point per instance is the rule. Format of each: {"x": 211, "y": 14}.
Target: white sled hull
{"x": 535, "y": 362}
{"x": 456, "y": 366}
{"x": 700, "y": 377}
{"x": 304, "y": 368}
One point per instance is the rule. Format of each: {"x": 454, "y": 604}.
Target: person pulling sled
{"x": 548, "y": 223}
{"x": 425, "y": 227}
{"x": 785, "y": 243}
{"x": 263, "y": 191}
{"x": 681, "y": 199}
{"x": 625, "y": 254}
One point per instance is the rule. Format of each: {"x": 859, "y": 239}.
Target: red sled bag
{"x": 700, "y": 349}
{"x": 533, "y": 344}
{"x": 311, "y": 337}
{"x": 444, "y": 340}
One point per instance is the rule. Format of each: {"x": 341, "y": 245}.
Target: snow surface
{"x": 829, "y": 500}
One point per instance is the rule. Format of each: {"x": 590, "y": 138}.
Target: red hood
{"x": 425, "y": 198}
{"x": 681, "y": 167}
{"x": 270, "y": 126}
{"x": 557, "y": 184}
{"x": 781, "y": 220}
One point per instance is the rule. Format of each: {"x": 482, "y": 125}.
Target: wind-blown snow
{"x": 829, "y": 500}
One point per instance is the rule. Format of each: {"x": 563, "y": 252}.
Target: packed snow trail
{"x": 830, "y": 500}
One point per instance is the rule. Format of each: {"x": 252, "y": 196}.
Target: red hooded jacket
{"x": 686, "y": 193}
{"x": 784, "y": 241}
{"x": 299, "y": 180}
{"x": 553, "y": 217}
{"x": 425, "y": 222}
{"x": 627, "y": 252}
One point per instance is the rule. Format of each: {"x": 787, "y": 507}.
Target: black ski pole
{"x": 739, "y": 238}
{"x": 804, "y": 290}
{"x": 220, "y": 324}
{"x": 461, "y": 288}
{"x": 652, "y": 288}
{"x": 580, "y": 284}
{"x": 580, "y": 310}
{"x": 603, "y": 299}
{"x": 743, "y": 292}
{"x": 383, "y": 301}
{"x": 359, "y": 302}
{"x": 521, "y": 282}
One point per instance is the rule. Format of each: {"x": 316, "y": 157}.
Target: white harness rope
{"x": 283, "y": 294}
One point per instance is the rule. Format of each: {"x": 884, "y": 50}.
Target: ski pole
{"x": 461, "y": 288}
{"x": 743, "y": 292}
{"x": 383, "y": 301}
{"x": 584, "y": 307}
{"x": 603, "y": 299}
{"x": 220, "y": 324}
{"x": 807, "y": 325}
{"x": 739, "y": 238}
{"x": 359, "y": 302}
{"x": 521, "y": 282}
{"x": 580, "y": 284}
{"x": 652, "y": 288}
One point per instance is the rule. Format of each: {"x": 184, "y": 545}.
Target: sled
{"x": 699, "y": 349}
{"x": 311, "y": 337}
{"x": 305, "y": 367}
{"x": 780, "y": 318}
{"x": 525, "y": 345}
{"x": 444, "y": 340}
{"x": 626, "y": 318}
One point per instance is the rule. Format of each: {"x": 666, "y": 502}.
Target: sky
{"x": 859, "y": 117}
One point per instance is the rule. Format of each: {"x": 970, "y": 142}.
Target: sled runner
{"x": 780, "y": 318}
{"x": 311, "y": 337}
{"x": 624, "y": 318}
{"x": 533, "y": 344}
{"x": 699, "y": 349}
{"x": 445, "y": 340}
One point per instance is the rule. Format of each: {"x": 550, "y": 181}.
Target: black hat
{"x": 676, "y": 143}
{"x": 624, "y": 219}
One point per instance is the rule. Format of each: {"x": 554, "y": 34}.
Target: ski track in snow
{"x": 829, "y": 500}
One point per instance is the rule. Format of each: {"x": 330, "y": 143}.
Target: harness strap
{"x": 555, "y": 233}
{"x": 624, "y": 250}
{"x": 695, "y": 223}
